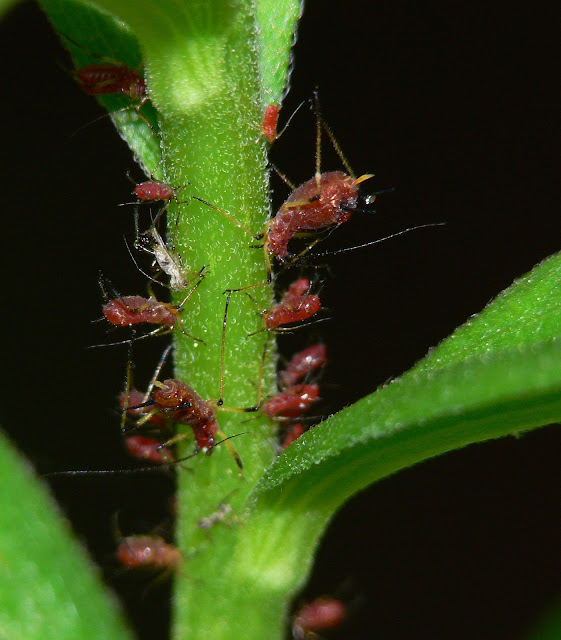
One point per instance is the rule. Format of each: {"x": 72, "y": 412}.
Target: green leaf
{"x": 96, "y": 36}
{"x": 276, "y": 34}
{"x": 49, "y": 588}
{"x": 500, "y": 374}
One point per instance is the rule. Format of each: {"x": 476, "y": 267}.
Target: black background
{"x": 451, "y": 104}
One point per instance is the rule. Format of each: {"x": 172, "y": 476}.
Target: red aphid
{"x": 314, "y": 205}
{"x": 269, "y": 124}
{"x": 294, "y": 431}
{"x": 296, "y": 305}
{"x": 319, "y": 615}
{"x": 303, "y": 364}
{"x": 106, "y": 78}
{"x": 185, "y": 406}
{"x": 148, "y": 449}
{"x": 131, "y": 310}
{"x": 142, "y": 551}
{"x": 292, "y": 402}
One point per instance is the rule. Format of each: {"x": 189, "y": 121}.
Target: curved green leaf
{"x": 49, "y": 588}
{"x": 524, "y": 317}
{"x": 511, "y": 383}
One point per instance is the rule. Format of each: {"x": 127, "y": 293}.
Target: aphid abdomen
{"x": 291, "y": 403}
{"x": 303, "y": 364}
{"x": 148, "y": 449}
{"x": 147, "y": 191}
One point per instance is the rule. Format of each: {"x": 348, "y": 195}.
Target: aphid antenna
{"x": 290, "y": 118}
{"x": 220, "y": 401}
{"x": 109, "y": 114}
{"x": 160, "y": 331}
{"x": 104, "y": 284}
{"x": 379, "y": 240}
{"x": 138, "y": 266}
{"x": 321, "y": 124}
{"x": 99, "y": 56}
{"x": 152, "y": 469}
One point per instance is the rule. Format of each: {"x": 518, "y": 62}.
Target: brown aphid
{"x": 177, "y": 399}
{"x": 130, "y": 310}
{"x": 108, "y": 78}
{"x": 325, "y": 200}
{"x": 319, "y": 615}
{"x": 148, "y": 552}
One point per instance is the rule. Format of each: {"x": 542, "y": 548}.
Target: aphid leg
{"x": 227, "y": 214}
{"x": 146, "y": 400}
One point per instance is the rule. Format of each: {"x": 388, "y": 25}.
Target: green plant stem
{"x": 214, "y": 144}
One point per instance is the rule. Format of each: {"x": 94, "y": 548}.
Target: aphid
{"x": 153, "y": 191}
{"x": 293, "y": 402}
{"x": 106, "y": 78}
{"x": 148, "y": 552}
{"x": 112, "y": 77}
{"x": 326, "y": 200}
{"x": 269, "y": 124}
{"x": 296, "y": 305}
{"x": 166, "y": 257}
{"x": 148, "y": 449}
{"x": 270, "y": 119}
{"x": 128, "y": 311}
{"x": 177, "y": 399}
{"x": 224, "y": 511}
{"x": 302, "y": 364}
{"x": 319, "y": 615}
{"x": 292, "y": 433}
